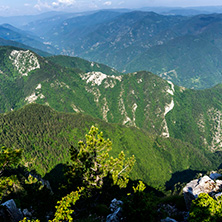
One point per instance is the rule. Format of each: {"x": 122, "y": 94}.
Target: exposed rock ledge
{"x": 206, "y": 184}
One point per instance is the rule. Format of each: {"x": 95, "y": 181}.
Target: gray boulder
{"x": 115, "y": 216}
{"x": 214, "y": 175}
{"x": 168, "y": 219}
{"x": 218, "y": 194}
{"x": 26, "y": 213}
{"x": 12, "y": 212}
{"x": 202, "y": 185}
{"x": 115, "y": 204}
{"x": 115, "y": 208}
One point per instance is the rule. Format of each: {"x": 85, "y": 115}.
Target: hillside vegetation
{"x": 139, "y": 99}
{"x": 159, "y": 132}
{"x": 45, "y": 136}
{"x": 156, "y": 108}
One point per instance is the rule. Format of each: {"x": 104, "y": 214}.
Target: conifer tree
{"x": 8, "y": 157}
{"x": 91, "y": 162}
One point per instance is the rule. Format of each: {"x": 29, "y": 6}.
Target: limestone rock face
{"x": 203, "y": 185}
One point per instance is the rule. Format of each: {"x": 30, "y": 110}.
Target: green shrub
{"x": 206, "y": 208}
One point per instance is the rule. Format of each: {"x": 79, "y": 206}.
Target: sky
{"x": 20, "y": 7}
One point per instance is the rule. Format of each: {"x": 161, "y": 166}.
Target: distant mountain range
{"x": 4, "y": 42}
{"x": 10, "y": 33}
{"x": 183, "y": 49}
{"x": 185, "y": 11}
{"x": 20, "y": 21}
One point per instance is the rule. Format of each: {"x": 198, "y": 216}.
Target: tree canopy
{"x": 91, "y": 162}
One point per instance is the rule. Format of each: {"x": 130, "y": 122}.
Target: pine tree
{"x": 8, "y": 158}
{"x": 91, "y": 163}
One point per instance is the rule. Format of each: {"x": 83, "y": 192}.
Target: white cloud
{"x": 66, "y": 2}
{"x": 93, "y": 6}
{"x": 55, "y": 4}
{"x": 41, "y": 5}
{"x": 4, "y": 8}
{"x": 120, "y": 3}
{"x": 63, "y": 3}
{"x": 108, "y": 3}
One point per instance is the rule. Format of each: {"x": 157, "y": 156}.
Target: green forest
{"x": 39, "y": 142}
{"x": 85, "y": 187}
{"x": 133, "y": 133}
{"x": 158, "y": 136}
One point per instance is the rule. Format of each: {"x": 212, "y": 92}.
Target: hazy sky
{"x": 14, "y": 7}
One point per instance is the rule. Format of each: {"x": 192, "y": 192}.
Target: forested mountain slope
{"x": 190, "y": 61}
{"x": 139, "y": 99}
{"x": 82, "y": 64}
{"x": 45, "y": 137}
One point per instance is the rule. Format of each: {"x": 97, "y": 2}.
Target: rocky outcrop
{"x": 26, "y": 213}
{"x": 24, "y": 61}
{"x": 168, "y": 219}
{"x": 202, "y": 185}
{"x": 214, "y": 175}
{"x": 116, "y": 209}
{"x": 172, "y": 212}
{"x": 10, "y": 212}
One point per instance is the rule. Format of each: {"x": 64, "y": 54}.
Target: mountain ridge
{"x": 121, "y": 40}
{"x": 139, "y": 99}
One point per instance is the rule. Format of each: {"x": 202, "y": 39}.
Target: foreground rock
{"x": 172, "y": 211}
{"x": 168, "y": 219}
{"x": 116, "y": 209}
{"x": 10, "y": 213}
{"x": 214, "y": 175}
{"x": 202, "y": 185}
